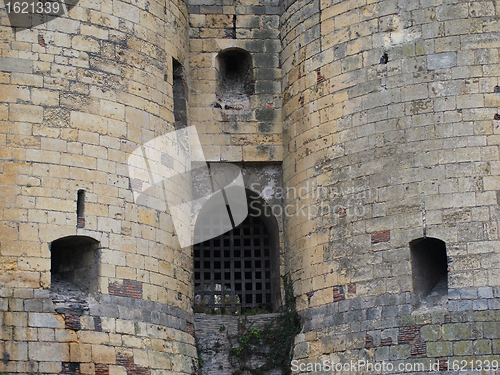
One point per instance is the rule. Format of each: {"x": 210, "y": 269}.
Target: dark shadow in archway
{"x": 429, "y": 265}
{"x": 75, "y": 261}
{"x": 237, "y": 271}
{"x": 235, "y": 79}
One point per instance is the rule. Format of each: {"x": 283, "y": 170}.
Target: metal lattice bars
{"x": 232, "y": 272}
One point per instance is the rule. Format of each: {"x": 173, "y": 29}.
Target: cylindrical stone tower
{"x": 91, "y": 280}
{"x": 392, "y": 174}
{"x": 386, "y": 124}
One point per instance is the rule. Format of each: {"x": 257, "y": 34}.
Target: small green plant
{"x": 197, "y": 362}
{"x": 222, "y": 328}
{"x": 255, "y": 332}
{"x": 243, "y": 339}
{"x": 237, "y": 351}
{"x": 196, "y": 366}
{"x": 274, "y": 343}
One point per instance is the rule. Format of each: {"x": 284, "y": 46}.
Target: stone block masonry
{"x": 215, "y": 339}
{"x": 78, "y": 95}
{"x": 447, "y": 337}
{"x": 389, "y": 110}
{"x": 236, "y": 127}
{"x": 119, "y": 332}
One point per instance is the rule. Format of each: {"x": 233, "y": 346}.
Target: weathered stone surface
{"x": 379, "y": 117}
{"x": 45, "y": 320}
{"x": 43, "y": 351}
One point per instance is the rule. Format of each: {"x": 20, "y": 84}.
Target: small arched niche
{"x": 235, "y": 82}
{"x": 429, "y": 264}
{"x": 237, "y": 271}
{"x": 75, "y": 260}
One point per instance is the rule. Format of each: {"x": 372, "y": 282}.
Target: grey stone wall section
{"x": 390, "y": 117}
{"x": 212, "y": 332}
{"x": 441, "y": 60}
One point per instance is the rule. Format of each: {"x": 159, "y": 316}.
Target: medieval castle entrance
{"x": 233, "y": 272}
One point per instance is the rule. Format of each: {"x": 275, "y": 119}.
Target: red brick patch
{"x": 190, "y": 328}
{"x": 41, "y": 41}
{"x": 167, "y": 160}
{"x": 411, "y": 335}
{"x": 130, "y": 366}
{"x": 342, "y": 212}
{"x": 136, "y": 185}
{"x": 97, "y": 324}
{"x": 386, "y": 342}
{"x": 369, "y": 342}
{"x": 408, "y": 333}
{"x": 318, "y": 164}
{"x": 70, "y": 368}
{"x": 443, "y": 363}
{"x": 418, "y": 349}
{"x": 319, "y": 77}
{"x": 101, "y": 369}
{"x": 72, "y": 321}
{"x": 80, "y": 222}
{"x": 129, "y": 288}
{"x": 351, "y": 288}
{"x": 338, "y": 293}
{"x": 382, "y": 236}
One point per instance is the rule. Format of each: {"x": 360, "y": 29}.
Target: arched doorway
{"x": 237, "y": 271}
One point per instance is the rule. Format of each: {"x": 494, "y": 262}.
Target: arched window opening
{"x": 235, "y": 83}
{"x": 180, "y": 93}
{"x": 429, "y": 265}
{"x": 237, "y": 271}
{"x": 75, "y": 263}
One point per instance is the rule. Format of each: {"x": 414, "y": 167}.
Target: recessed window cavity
{"x": 429, "y": 265}
{"x": 180, "y": 92}
{"x": 235, "y": 83}
{"x": 80, "y": 209}
{"x": 74, "y": 264}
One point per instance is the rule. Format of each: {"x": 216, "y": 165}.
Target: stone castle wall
{"x": 391, "y": 125}
{"x": 246, "y": 127}
{"x": 386, "y": 121}
{"x": 79, "y": 94}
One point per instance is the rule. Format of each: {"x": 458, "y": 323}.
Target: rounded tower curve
{"x": 391, "y": 167}
{"x": 93, "y": 278}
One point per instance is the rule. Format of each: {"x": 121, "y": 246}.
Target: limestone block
{"x": 103, "y": 354}
{"x": 16, "y": 65}
{"x": 51, "y": 351}
{"x": 117, "y": 370}
{"x": 45, "y": 320}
